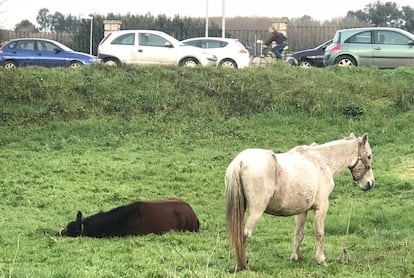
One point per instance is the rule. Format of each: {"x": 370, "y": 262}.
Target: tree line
{"x": 375, "y": 14}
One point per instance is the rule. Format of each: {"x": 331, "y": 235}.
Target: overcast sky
{"x": 14, "y": 11}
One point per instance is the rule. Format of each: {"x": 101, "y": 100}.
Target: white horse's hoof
{"x": 294, "y": 258}
{"x": 322, "y": 263}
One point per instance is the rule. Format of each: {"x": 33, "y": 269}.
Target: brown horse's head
{"x": 74, "y": 228}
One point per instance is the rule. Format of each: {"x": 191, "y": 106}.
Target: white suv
{"x": 135, "y": 47}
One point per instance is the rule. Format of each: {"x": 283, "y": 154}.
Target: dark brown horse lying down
{"x": 138, "y": 218}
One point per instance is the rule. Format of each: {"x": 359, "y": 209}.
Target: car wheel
{"x": 189, "y": 62}
{"x": 228, "y": 63}
{"x": 111, "y": 62}
{"x": 76, "y": 64}
{"x": 10, "y": 65}
{"x": 306, "y": 64}
{"x": 345, "y": 61}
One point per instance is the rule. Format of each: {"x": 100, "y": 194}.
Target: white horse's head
{"x": 361, "y": 168}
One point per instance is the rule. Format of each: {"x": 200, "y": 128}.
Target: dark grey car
{"x": 311, "y": 57}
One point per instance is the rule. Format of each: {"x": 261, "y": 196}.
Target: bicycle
{"x": 267, "y": 57}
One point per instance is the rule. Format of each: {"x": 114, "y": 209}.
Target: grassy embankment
{"x": 95, "y": 138}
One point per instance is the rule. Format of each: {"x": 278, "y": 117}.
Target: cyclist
{"x": 279, "y": 38}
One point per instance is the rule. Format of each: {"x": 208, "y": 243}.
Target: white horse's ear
{"x": 352, "y": 135}
{"x": 364, "y": 138}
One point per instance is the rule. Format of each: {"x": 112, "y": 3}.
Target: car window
{"x": 125, "y": 39}
{"x": 390, "y": 37}
{"x": 45, "y": 46}
{"x": 363, "y": 37}
{"x": 25, "y": 45}
{"x": 196, "y": 43}
{"x": 207, "y": 43}
{"x": 240, "y": 44}
{"x": 213, "y": 44}
{"x": 146, "y": 39}
{"x": 337, "y": 38}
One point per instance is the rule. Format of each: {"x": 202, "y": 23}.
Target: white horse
{"x": 290, "y": 183}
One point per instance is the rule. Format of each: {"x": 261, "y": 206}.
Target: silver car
{"x": 134, "y": 47}
{"x": 381, "y": 47}
{"x": 230, "y": 53}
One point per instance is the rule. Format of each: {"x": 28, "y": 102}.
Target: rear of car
{"x": 135, "y": 47}
{"x": 41, "y": 52}
{"x": 230, "y": 53}
{"x": 381, "y": 47}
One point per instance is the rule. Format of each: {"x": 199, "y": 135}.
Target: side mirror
{"x": 168, "y": 44}
{"x": 411, "y": 43}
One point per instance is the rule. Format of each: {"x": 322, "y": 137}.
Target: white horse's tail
{"x": 235, "y": 211}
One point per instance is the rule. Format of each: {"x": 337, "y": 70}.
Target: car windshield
{"x": 62, "y": 46}
{"x": 325, "y": 44}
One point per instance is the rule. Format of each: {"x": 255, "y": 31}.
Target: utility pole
{"x": 223, "y": 20}
{"x": 206, "y": 34}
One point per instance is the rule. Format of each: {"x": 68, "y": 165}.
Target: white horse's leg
{"x": 320, "y": 215}
{"x": 300, "y": 225}
{"x": 252, "y": 220}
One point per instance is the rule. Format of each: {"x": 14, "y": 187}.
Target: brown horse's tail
{"x": 235, "y": 211}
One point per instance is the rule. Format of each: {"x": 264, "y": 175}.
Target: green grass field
{"x": 96, "y": 138}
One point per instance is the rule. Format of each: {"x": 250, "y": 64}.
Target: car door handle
{"x": 377, "y": 48}
{"x": 140, "y": 50}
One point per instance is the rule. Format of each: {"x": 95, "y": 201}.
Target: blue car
{"x": 41, "y": 52}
